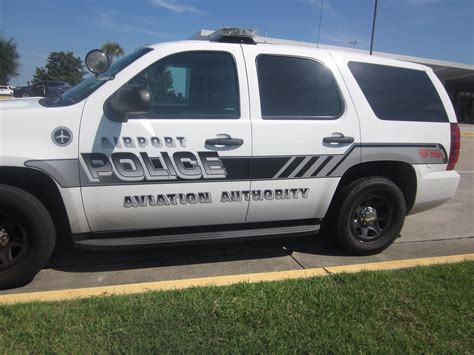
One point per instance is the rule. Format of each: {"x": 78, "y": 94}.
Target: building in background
{"x": 457, "y": 78}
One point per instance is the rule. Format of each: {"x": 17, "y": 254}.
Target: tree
{"x": 9, "y": 60}
{"x": 113, "y": 50}
{"x": 40, "y": 74}
{"x": 61, "y": 66}
{"x": 159, "y": 81}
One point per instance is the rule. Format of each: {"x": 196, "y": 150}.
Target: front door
{"x": 170, "y": 166}
{"x": 305, "y": 132}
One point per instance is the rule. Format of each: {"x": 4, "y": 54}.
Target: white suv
{"x": 225, "y": 138}
{"x": 6, "y": 90}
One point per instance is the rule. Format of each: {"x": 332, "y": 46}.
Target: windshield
{"x": 89, "y": 85}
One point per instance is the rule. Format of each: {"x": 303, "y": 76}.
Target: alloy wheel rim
{"x": 13, "y": 242}
{"x": 371, "y": 218}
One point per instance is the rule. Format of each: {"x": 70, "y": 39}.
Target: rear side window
{"x": 399, "y": 94}
{"x": 298, "y": 88}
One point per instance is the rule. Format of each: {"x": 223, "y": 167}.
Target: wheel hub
{"x": 4, "y": 238}
{"x": 368, "y": 215}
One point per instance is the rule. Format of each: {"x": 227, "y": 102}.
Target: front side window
{"x": 201, "y": 84}
{"x": 297, "y": 88}
{"x": 399, "y": 94}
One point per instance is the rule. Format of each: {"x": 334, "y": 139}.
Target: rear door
{"x": 170, "y": 166}
{"x": 305, "y": 131}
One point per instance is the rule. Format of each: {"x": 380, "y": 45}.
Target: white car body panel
{"x": 196, "y": 131}
{"x": 376, "y": 130}
{"x": 282, "y": 137}
{"x": 433, "y": 188}
{"x": 25, "y": 135}
{"x": 26, "y": 128}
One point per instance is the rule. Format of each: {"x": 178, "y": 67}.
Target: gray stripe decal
{"x": 284, "y": 167}
{"x": 64, "y": 171}
{"x": 336, "y": 159}
{"x": 327, "y": 160}
{"x": 315, "y": 166}
{"x": 299, "y": 167}
{"x": 349, "y": 151}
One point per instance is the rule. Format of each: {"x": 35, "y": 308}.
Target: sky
{"x": 437, "y": 29}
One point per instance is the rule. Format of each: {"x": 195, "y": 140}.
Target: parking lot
{"x": 446, "y": 230}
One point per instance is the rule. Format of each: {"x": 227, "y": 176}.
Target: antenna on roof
{"x": 266, "y": 28}
{"x": 320, "y": 20}
{"x": 373, "y": 27}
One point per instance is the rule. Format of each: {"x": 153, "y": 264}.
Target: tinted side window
{"x": 292, "y": 87}
{"x": 192, "y": 85}
{"x": 399, "y": 94}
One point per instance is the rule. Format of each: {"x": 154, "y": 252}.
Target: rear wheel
{"x": 370, "y": 215}
{"x": 27, "y": 237}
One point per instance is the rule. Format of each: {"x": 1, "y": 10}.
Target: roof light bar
{"x": 245, "y": 35}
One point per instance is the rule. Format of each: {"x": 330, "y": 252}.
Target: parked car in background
{"x": 6, "y": 90}
{"x": 43, "y": 88}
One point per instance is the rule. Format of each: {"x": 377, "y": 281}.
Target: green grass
{"x": 428, "y": 309}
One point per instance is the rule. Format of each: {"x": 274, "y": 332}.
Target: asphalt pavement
{"x": 446, "y": 230}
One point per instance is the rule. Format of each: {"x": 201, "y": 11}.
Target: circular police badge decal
{"x": 61, "y": 136}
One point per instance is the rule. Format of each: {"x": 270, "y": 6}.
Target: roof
{"x": 459, "y": 73}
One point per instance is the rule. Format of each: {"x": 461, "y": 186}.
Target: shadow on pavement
{"x": 67, "y": 257}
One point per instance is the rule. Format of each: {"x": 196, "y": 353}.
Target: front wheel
{"x": 370, "y": 216}
{"x": 27, "y": 237}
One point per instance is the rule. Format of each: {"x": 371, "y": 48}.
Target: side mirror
{"x": 97, "y": 62}
{"x": 132, "y": 99}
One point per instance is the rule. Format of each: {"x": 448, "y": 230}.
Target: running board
{"x": 154, "y": 240}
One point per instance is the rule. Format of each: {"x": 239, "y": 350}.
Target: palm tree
{"x": 112, "y": 49}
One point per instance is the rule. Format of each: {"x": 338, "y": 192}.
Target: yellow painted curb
{"x": 399, "y": 264}
{"x": 467, "y": 134}
{"x": 61, "y": 295}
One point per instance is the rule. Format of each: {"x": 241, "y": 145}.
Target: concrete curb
{"x": 61, "y": 295}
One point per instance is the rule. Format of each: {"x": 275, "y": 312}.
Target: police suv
{"x": 223, "y": 138}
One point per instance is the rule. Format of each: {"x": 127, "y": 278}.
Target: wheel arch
{"x": 400, "y": 173}
{"x": 44, "y": 188}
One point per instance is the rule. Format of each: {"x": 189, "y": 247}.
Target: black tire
{"x": 370, "y": 215}
{"x": 27, "y": 237}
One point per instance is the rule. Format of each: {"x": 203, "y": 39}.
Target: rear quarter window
{"x": 399, "y": 94}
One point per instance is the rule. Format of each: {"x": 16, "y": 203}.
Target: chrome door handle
{"x": 338, "y": 138}
{"x": 223, "y": 142}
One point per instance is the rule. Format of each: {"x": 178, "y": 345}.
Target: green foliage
{"x": 40, "y": 74}
{"x": 415, "y": 311}
{"x": 113, "y": 50}
{"x": 61, "y": 66}
{"x": 9, "y": 60}
{"x": 158, "y": 80}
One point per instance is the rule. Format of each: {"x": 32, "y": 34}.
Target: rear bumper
{"x": 433, "y": 188}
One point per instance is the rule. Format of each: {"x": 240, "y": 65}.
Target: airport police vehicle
{"x": 223, "y": 138}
